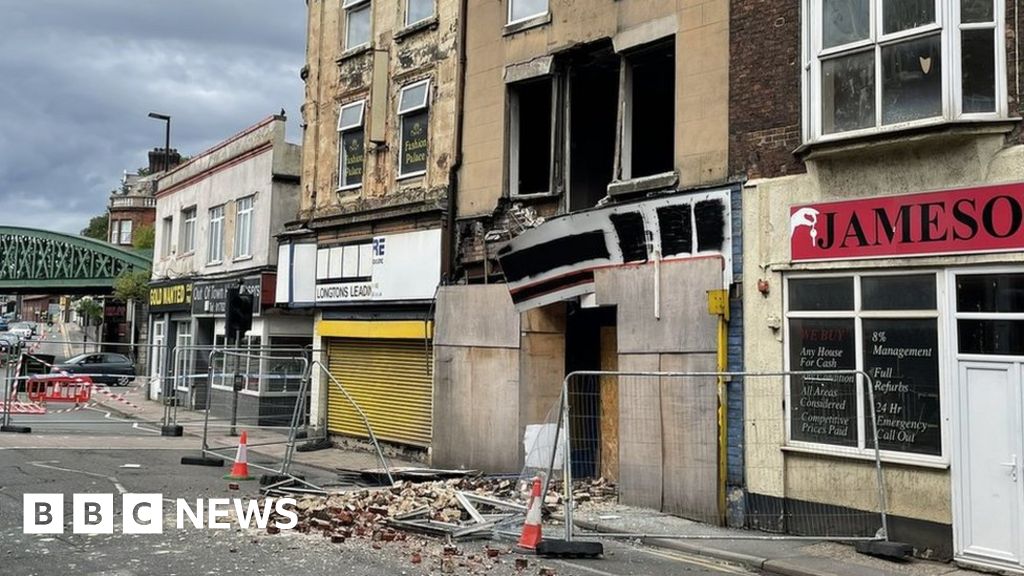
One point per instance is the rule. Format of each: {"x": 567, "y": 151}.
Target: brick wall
{"x": 139, "y": 217}
{"x": 764, "y": 92}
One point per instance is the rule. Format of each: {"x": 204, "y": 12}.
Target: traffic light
{"x": 238, "y": 313}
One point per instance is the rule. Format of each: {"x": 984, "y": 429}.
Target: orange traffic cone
{"x": 240, "y": 469}
{"x": 531, "y": 528}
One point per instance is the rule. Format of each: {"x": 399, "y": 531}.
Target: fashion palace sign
{"x": 969, "y": 220}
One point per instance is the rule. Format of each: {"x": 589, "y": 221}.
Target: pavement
{"x": 88, "y": 447}
{"x": 767, "y": 553}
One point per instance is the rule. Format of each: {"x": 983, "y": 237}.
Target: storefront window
{"x": 883, "y": 325}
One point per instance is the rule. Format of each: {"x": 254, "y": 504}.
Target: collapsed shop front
{"x": 925, "y": 294}
{"x": 623, "y": 287}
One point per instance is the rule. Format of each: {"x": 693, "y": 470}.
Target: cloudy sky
{"x": 78, "y": 77}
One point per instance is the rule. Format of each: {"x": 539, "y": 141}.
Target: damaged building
{"x": 593, "y": 217}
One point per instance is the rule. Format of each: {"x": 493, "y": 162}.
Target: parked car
{"x": 103, "y": 368}
{"x": 9, "y": 343}
{"x": 22, "y": 329}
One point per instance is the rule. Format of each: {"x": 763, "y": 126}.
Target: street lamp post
{"x": 167, "y": 138}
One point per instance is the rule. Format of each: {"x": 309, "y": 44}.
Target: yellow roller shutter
{"x": 390, "y": 380}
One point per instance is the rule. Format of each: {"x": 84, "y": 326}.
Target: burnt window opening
{"x": 649, "y": 123}
{"x": 676, "y": 229}
{"x": 632, "y": 236}
{"x": 710, "y": 220}
{"x": 593, "y": 95}
{"x": 531, "y": 124}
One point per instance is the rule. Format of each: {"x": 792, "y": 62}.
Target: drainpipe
{"x": 718, "y": 305}
{"x": 451, "y": 262}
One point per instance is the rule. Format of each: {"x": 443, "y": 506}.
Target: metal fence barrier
{"x": 661, "y": 439}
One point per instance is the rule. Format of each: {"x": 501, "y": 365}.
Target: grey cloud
{"x": 77, "y": 79}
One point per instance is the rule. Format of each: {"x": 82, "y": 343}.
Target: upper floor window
{"x": 351, "y": 137}
{"x": 358, "y": 23}
{"x": 215, "y": 246}
{"x": 519, "y": 10}
{"x": 418, "y": 11}
{"x": 414, "y": 111}
{"x": 188, "y": 230}
{"x": 887, "y": 64}
{"x": 243, "y": 226}
{"x": 126, "y": 232}
{"x": 166, "y": 231}
{"x": 532, "y": 117}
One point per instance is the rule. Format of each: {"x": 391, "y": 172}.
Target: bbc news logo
{"x": 144, "y": 513}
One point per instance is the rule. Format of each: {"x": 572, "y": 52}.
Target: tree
{"x": 89, "y": 310}
{"x": 145, "y": 237}
{"x": 132, "y": 285}
{"x": 98, "y": 228}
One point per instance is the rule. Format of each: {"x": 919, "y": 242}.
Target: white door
{"x": 989, "y": 465}
{"x": 988, "y": 456}
{"x": 156, "y": 363}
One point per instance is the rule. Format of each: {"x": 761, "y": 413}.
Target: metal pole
{"x": 883, "y": 500}
{"x": 167, "y": 146}
{"x": 566, "y": 464}
{"x": 235, "y": 387}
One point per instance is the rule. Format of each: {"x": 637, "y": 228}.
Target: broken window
{"x": 414, "y": 112}
{"x": 648, "y": 131}
{"x": 884, "y": 63}
{"x": 531, "y": 131}
{"x": 350, "y": 145}
{"x": 358, "y": 16}
{"x": 593, "y": 116}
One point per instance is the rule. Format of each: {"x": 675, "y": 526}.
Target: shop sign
{"x": 210, "y": 298}
{"x": 971, "y": 220}
{"x": 170, "y": 297}
{"x": 387, "y": 268}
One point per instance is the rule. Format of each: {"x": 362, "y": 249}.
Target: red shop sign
{"x": 989, "y": 219}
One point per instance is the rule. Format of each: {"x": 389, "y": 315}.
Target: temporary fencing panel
{"x": 391, "y": 380}
{"x": 672, "y": 449}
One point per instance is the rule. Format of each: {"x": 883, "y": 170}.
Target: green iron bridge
{"x": 33, "y": 261}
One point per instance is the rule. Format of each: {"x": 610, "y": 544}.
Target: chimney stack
{"x": 156, "y": 160}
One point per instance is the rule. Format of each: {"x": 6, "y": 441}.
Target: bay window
{"x": 877, "y": 65}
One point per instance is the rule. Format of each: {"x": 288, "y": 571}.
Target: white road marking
{"x": 693, "y": 559}
{"x": 120, "y": 489}
{"x": 582, "y": 567}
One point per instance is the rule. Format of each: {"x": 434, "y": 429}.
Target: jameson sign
{"x": 989, "y": 219}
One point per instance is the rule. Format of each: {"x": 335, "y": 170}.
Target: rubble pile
{"x": 455, "y": 509}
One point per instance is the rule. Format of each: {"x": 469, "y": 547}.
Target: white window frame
{"x": 402, "y": 113}
{"x": 125, "y": 238}
{"x": 188, "y": 230}
{"x": 114, "y": 232}
{"x": 342, "y": 128}
{"x": 433, "y": 12}
{"x": 166, "y": 234}
{"x": 949, "y": 27}
{"x": 351, "y": 6}
{"x": 215, "y": 238}
{"x": 940, "y": 314}
{"x": 514, "y": 116}
{"x": 244, "y": 209}
{"x": 509, "y": 20}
